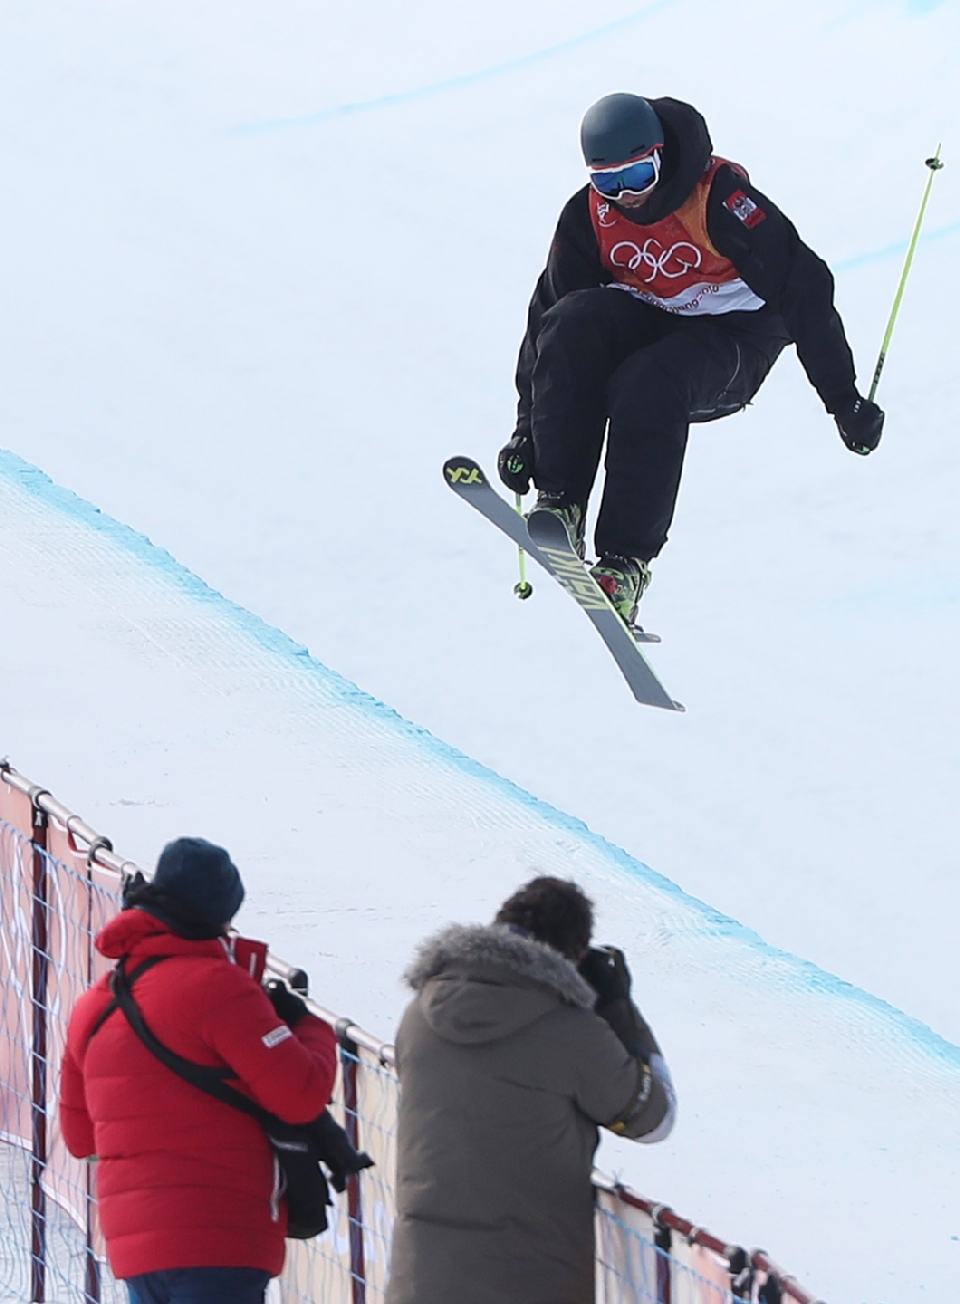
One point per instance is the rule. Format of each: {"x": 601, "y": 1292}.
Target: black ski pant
{"x": 604, "y": 355}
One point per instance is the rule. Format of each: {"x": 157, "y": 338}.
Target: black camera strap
{"x": 295, "y": 1148}
{"x": 205, "y": 1077}
{"x": 112, "y": 1005}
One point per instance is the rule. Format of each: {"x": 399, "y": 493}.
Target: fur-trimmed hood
{"x": 479, "y": 983}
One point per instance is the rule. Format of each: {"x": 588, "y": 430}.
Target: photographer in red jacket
{"x": 187, "y": 1186}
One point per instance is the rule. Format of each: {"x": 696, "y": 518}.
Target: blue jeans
{"x": 199, "y": 1286}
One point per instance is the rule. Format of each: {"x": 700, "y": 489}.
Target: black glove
{"x": 605, "y": 969}
{"x": 287, "y": 1004}
{"x": 336, "y": 1151}
{"x": 860, "y": 424}
{"x": 515, "y": 462}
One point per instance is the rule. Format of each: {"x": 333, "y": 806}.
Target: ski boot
{"x": 572, "y": 515}
{"x": 624, "y": 580}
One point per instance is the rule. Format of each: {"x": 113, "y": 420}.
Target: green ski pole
{"x": 524, "y": 588}
{"x": 934, "y": 164}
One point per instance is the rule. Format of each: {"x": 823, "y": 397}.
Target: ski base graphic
{"x": 543, "y": 536}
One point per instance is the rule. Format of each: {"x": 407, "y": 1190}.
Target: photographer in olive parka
{"x": 520, "y": 1041}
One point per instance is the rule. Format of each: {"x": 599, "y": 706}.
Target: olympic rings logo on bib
{"x": 672, "y": 263}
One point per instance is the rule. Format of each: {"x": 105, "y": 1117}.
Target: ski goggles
{"x": 633, "y": 178}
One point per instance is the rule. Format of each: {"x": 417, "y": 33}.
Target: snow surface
{"x": 264, "y": 268}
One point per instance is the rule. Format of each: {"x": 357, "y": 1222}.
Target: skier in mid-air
{"x": 713, "y": 282}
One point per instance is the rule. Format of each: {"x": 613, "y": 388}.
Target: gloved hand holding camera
{"x": 605, "y": 969}
{"x": 289, "y": 1006}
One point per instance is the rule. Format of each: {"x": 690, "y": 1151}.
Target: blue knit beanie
{"x": 201, "y": 879}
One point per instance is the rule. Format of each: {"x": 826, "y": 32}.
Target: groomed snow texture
{"x": 264, "y": 268}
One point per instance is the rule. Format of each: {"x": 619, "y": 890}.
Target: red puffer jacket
{"x": 183, "y": 1180}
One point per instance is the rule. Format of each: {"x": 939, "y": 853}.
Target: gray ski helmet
{"x": 617, "y": 128}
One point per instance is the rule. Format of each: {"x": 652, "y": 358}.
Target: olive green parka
{"x": 506, "y": 1072}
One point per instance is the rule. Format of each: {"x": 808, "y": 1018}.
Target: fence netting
{"x": 58, "y": 887}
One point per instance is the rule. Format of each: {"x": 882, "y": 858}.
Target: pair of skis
{"x": 543, "y": 536}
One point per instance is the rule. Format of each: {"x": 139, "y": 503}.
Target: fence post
{"x": 664, "y": 1243}
{"x": 39, "y": 973}
{"x": 91, "y": 1284}
{"x": 91, "y": 1264}
{"x": 349, "y": 1065}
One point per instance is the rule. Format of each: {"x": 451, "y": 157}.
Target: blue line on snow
{"x": 454, "y": 83}
{"x": 497, "y": 70}
{"x": 35, "y": 482}
{"x": 901, "y": 246}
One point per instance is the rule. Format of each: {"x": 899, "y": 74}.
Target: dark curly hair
{"x": 554, "y": 911}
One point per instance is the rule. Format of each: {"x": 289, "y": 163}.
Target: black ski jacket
{"x": 796, "y": 285}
